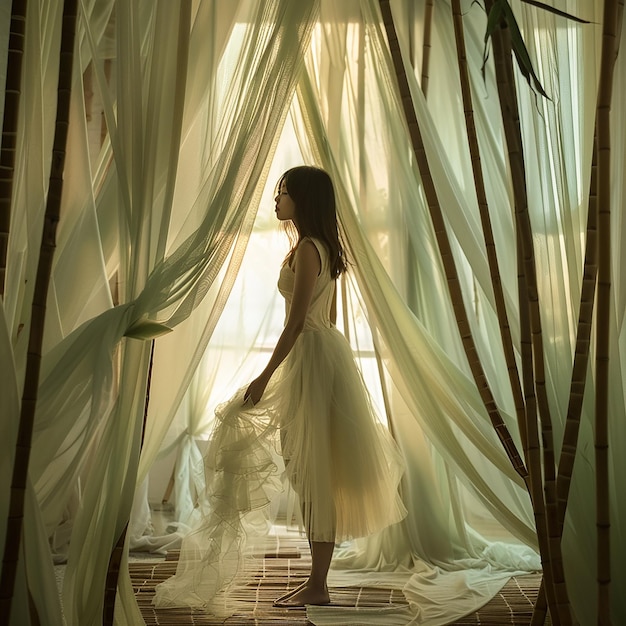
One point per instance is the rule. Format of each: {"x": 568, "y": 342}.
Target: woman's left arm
{"x": 307, "y": 268}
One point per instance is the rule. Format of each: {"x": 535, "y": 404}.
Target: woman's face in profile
{"x": 285, "y": 206}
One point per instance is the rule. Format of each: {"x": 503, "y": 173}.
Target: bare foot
{"x": 289, "y": 593}
{"x": 304, "y": 595}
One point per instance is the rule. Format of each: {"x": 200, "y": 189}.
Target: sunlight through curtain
{"x": 159, "y": 231}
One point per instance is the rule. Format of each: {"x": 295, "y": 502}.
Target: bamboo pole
{"x": 117, "y": 554}
{"x": 15, "y": 517}
{"x": 579, "y": 373}
{"x": 113, "y": 572}
{"x": 577, "y": 387}
{"x": 581, "y": 351}
{"x": 12, "y": 93}
{"x": 483, "y": 207}
{"x": 429, "y": 9}
{"x": 581, "y": 354}
{"x": 603, "y": 325}
{"x": 585, "y": 318}
{"x": 445, "y": 249}
{"x": 544, "y": 506}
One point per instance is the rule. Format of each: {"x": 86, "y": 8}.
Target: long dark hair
{"x": 313, "y": 194}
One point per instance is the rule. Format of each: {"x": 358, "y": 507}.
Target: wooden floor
{"x": 284, "y": 567}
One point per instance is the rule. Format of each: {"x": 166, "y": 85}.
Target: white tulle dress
{"x": 315, "y": 430}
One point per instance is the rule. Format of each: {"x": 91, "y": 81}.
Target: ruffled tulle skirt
{"x": 339, "y": 458}
{"x": 314, "y": 427}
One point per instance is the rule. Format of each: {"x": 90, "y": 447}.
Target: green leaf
{"x": 493, "y": 20}
{"x": 521, "y": 53}
{"x": 146, "y": 329}
{"x": 547, "y": 7}
{"x": 494, "y": 17}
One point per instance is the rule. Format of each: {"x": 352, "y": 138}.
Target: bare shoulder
{"x": 308, "y": 256}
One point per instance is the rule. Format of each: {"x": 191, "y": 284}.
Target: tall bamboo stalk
{"x": 532, "y": 359}
{"x": 110, "y": 584}
{"x": 603, "y": 325}
{"x": 445, "y": 249}
{"x": 483, "y": 208}
{"x": 15, "y": 517}
{"x": 12, "y": 92}
{"x": 117, "y": 554}
{"x": 581, "y": 351}
{"x": 579, "y": 373}
{"x": 429, "y": 9}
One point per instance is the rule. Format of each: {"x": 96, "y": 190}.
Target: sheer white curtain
{"x": 250, "y": 320}
{"x": 193, "y": 113}
{"x": 558, "y": 137}
{"x": 383, "y": 155}
{"x": 449, "y": 444}
{"x": 244, "y": 103}
{"x": 433, "y": 538}
{"x": 93, "y": 383}
{"x": 561, "y": 148}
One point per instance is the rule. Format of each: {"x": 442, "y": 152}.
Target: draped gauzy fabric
{"x": 559, "y": 156}
{"x": 163, "y": 212}
{"x": 163, "y": 256}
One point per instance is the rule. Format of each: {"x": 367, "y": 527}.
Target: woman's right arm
{"x": 307, "y": 267}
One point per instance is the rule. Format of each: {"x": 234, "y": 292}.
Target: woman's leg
{"x": 314, "y": 590}
{"x": 321, "y": 556}
{"x": 292, "y": 591}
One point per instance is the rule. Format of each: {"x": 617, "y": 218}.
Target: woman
{"x": 311, "y": 406}
{"x": 337, "y": 459}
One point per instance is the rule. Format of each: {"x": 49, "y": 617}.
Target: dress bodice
{"x": 318, "y": 315}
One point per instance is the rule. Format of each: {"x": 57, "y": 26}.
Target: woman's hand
{"x": 255, "y": 390}
{"x": 308, "y": 266}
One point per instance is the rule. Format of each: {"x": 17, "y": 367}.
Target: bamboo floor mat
{"x": 285, "y": 564}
